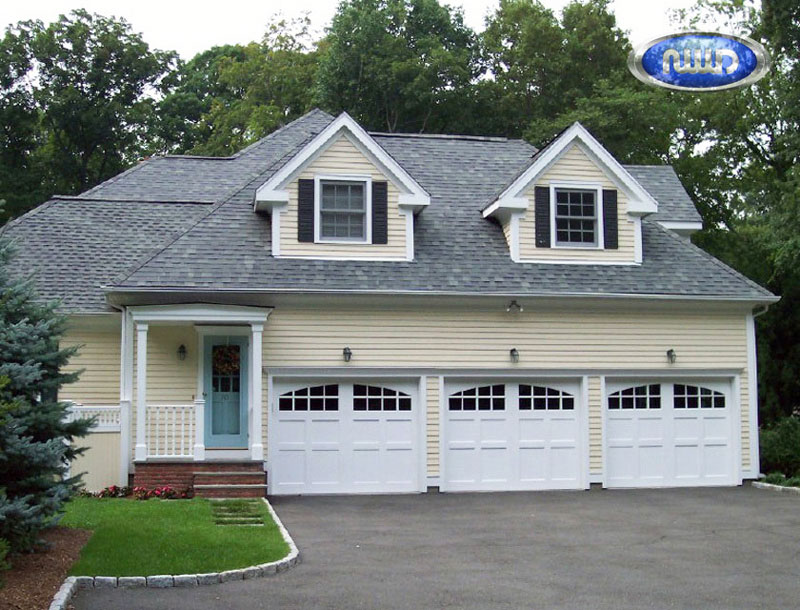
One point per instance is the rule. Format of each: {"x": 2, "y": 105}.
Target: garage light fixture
{"x": 671, "y": 356}
{"x": 347, "y": 354}
{"x": 182, "y": 352}
{"x": 514, "y": 355}
{"x": 515, "y": 307}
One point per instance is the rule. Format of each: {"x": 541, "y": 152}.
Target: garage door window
{"x": 638, "y": 397}
{"x": 542, "y": 398}
{"x": 376, "y": 398}
{"x": 693, "y": 397}
{"x": 483, "y": 398}
{"x": 316, "y": 398}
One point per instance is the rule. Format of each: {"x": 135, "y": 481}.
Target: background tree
{"x": 33, "y": 454}
{"x": 398, "y": 65}
{"x": 84, "y": 87}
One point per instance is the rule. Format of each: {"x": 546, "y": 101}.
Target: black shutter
{"x": 610, "y": 229}
{"x": 380, "y": 232}
{"x": 542, "y": 216}
{"x": 305, "y": 210}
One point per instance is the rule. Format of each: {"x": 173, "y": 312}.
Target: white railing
{"x": 107, "y": 416}
{"x": 170, "y": 431}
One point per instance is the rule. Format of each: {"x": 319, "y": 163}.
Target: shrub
{"x": 4, "y": 564}
{"x": 36, "y": 440}
{"x": 780, "y": 447}
{"x": 775, "y": 478}
{"x": 793, "y": 482}
{"x": 114, "y": 491}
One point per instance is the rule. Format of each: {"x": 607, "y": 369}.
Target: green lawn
{"x": 141, "y": 538}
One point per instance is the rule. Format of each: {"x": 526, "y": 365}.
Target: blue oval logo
{"x": 699, "y": 61}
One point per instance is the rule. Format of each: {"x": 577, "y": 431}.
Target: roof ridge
{"x": 686, "y": 243}
{"x": 443, "y": 136}
{"x": 648, "y": 165}
{"x": 175, "y": 236}
{"x": 258, "y": 142}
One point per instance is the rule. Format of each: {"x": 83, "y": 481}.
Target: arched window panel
{"x": 481, "y": 398}
{"x": 638, "y": 397}
{"x": 377, "y": 398}
{"x": 543, "y": 398}
{"x": 697, "y": 397}
{"x": 315, "y": 398}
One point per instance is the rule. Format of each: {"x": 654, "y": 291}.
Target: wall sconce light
{"x": 671, "y": 356}
{"x": 515, "y": 307}
{"x": 347, "y": 354}
{"x": 514, "y": 353}
{"x": 182, "y": 352}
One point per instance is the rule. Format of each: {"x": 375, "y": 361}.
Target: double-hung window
{"x": 343, "y": 211}
{"x": 576, "y": 217}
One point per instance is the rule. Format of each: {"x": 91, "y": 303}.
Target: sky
{"x": 188, "y": 28}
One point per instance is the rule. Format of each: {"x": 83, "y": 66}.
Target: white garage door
{"x": 334, "y": 436}
{"x": 520, "y": 435}
{"x": 670, "y": 434}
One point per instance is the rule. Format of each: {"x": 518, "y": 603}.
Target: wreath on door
{"x": 225, "y": 359}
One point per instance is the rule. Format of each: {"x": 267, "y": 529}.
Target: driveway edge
{"x": 778, "y": 488}
{"x": 74, "y": 583}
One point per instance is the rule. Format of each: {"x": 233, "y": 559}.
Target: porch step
{"x": 231, "y": 491}
{"x": 227, "y": 477}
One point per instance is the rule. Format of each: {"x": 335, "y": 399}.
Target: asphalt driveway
{"x": 705, "y": 548}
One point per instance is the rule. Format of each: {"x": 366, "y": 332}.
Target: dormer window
{"x": 576, "y": 218}
{"x": 343, "y": 210}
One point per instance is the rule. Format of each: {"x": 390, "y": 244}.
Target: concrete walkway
{"x": 705, "y": 548}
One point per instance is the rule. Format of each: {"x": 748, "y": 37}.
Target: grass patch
{"x": 133, "y": 538}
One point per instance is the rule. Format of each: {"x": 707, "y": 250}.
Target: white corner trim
{"x": 752, "y": 397}
{"x": 273, "y": 191}
{"x": 275, "y": 219}
{"x": 509, "y": 205}
{"x": 640, "y": 201}
{"x": 409, "y": 233}
{"x": 199, "y": 313}
{"x": 514, "y": 245}
{"x": 682, "y": 227}
{"x": 637, "y": 240}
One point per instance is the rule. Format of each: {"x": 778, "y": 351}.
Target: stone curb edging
{"x": 778, "y": 488}
{"x": 73, "y": 583}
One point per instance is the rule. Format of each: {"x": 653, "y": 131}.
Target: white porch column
{"x": 125, "y": 396}
{"x": 256, "y": 439}
{"x": 199, "y": 449}
{"x": 141, "y": 391}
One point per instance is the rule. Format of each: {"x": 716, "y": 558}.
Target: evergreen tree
{"x": 35, "y": 438}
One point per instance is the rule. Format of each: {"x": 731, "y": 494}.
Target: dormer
{"x": 342, "y": 197}
{"x": 574, "y": 204}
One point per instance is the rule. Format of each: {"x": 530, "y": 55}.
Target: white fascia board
{"x": 508, "y": 205}
{"x": 273, "y": 190}
{"x": 200, "y": 312}
{"x": 682, "y": 227}
{"x": 640, "y": 201}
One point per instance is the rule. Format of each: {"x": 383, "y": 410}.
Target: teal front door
{"x": 226, "y": 392}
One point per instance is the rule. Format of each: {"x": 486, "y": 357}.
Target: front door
{"x": 226, "y": 392}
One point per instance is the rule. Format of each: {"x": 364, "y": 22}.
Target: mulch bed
{"x": 36, "y": 577}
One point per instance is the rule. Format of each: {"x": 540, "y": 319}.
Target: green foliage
{"x": 780, "y": 447}
{"x": 397, "y": 65}
{"x": 5, "y": 564}
{"x": 35, "y": 438}
{"x": 79, "y": 95}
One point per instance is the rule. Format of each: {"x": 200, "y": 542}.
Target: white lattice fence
{"x": 107, "y": 416}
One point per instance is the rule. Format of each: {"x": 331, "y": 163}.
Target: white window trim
{"x": 598, "y": 206}
{"x": 318, "y": 180}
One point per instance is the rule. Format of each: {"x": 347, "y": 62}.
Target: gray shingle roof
{"x": 131, "y": 244}
{"x": 663, "y": 184}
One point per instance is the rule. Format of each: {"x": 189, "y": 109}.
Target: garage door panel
{"x": 683, "y": 434}
{"x": 365, "y": 437}
{"x": 529, "y": 439}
